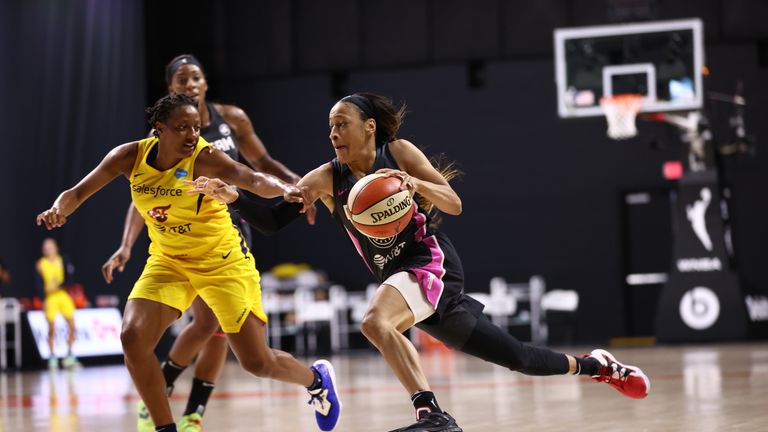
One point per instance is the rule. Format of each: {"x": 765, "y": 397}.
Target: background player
{"x": 52, "y": 273}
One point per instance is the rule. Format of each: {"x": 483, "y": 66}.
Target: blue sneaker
{"x": 326, "y": 401}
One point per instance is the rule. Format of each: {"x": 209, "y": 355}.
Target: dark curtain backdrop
{"x": 76, "y": 82}
{"x": 5, "y": 107}
{"x": 541, "y": 195}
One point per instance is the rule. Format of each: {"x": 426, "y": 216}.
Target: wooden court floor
{"x": 694, "y": 388}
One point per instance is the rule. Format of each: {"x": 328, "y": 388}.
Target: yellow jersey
{"x": 52, "y": 272}
{"x": 180, "y": 225}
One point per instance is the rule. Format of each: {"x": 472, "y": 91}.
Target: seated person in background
{"x": 5, "y": 275}
{"x": 51, "y": 274}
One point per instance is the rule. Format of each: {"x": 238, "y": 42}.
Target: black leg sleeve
{"x": 495, "y": 345}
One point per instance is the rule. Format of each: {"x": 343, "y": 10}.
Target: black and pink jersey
{"x": 419, "y": 249}
{"x": 220, "y": 135}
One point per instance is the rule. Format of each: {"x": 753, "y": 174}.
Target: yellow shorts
{"x": 59, "y": 302}
{"x": 225, "y": 278}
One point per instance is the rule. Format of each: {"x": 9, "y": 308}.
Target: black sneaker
{"x": 432, "y": 422}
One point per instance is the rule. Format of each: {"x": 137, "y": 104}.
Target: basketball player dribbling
{"x": 226, "y": 128}
{"x": 421, "y": 276}
{"x": 195, "y": 250}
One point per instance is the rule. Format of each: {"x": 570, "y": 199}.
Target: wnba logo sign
{"x": 699, "y": 308}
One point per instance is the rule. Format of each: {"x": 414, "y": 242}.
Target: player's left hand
{"x": 408, "y": 182}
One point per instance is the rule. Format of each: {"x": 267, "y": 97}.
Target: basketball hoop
{"x": 621, "y": 111}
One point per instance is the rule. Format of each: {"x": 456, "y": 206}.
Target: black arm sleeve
{"x": 266, "y": 219}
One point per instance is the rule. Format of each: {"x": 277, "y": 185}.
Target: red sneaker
{"x": 629, "y": 380}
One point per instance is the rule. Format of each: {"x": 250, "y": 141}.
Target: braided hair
{"x": 162, "y": 109}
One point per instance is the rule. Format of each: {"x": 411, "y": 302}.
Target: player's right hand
{"x": 212, "y": 187}
{"x": 116, "y": 261}
{"x": 51, "y": 218}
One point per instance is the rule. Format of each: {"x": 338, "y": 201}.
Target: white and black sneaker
{"x": 432, "y": 422}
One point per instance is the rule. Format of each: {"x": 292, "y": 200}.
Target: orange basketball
{"x": 379, "y": 209}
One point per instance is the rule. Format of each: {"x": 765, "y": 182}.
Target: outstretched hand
{"x": 219, "y": 190}
{"x": 212, "y": 187}
{"x": 408, "y": 182}
{"x": 52, "y": 218}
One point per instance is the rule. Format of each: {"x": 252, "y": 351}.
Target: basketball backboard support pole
{"x": 663, "y": 61}
{"x": 694, "y": 137}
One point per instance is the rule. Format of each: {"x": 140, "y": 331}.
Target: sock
{"x": 171, "y": 371}
{"x": 587, "y": 366}
{"x": 198, "y": 396}
{"x": 318, "y": 382}
{"x": 425, "y": 402}
{"x": 167, "y": 428}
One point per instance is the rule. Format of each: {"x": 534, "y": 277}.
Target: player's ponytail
{"x": 449, "y": 171}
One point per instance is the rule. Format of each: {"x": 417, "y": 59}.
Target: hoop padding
{"x": 621, "y": 111}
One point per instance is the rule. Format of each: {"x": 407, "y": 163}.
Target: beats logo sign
{"x": 699, "y": 308}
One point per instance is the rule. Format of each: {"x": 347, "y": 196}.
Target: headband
{"x": 179, "y": 62}
{"x": 362, "y": 103}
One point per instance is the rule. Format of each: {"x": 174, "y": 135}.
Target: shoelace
{"x": 433, "y": 419}
{"x": 316, "y": 399}
{"x": 193, "y": 424}
{"x": 618, "y": 374}
{"x": 143, "y": 412}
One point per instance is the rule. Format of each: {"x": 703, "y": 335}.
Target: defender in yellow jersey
{"x": 50, "y": 269}
{"x": 195, "y": 251}
{"x": 194, "y": 245}
{"x": 229, "y": 129}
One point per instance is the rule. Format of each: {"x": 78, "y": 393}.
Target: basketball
{"x": 377, "y": 206}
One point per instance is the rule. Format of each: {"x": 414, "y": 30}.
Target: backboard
{"x": 663, "y": 61}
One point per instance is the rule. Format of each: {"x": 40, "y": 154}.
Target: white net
{"x": 621, "y": 111}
